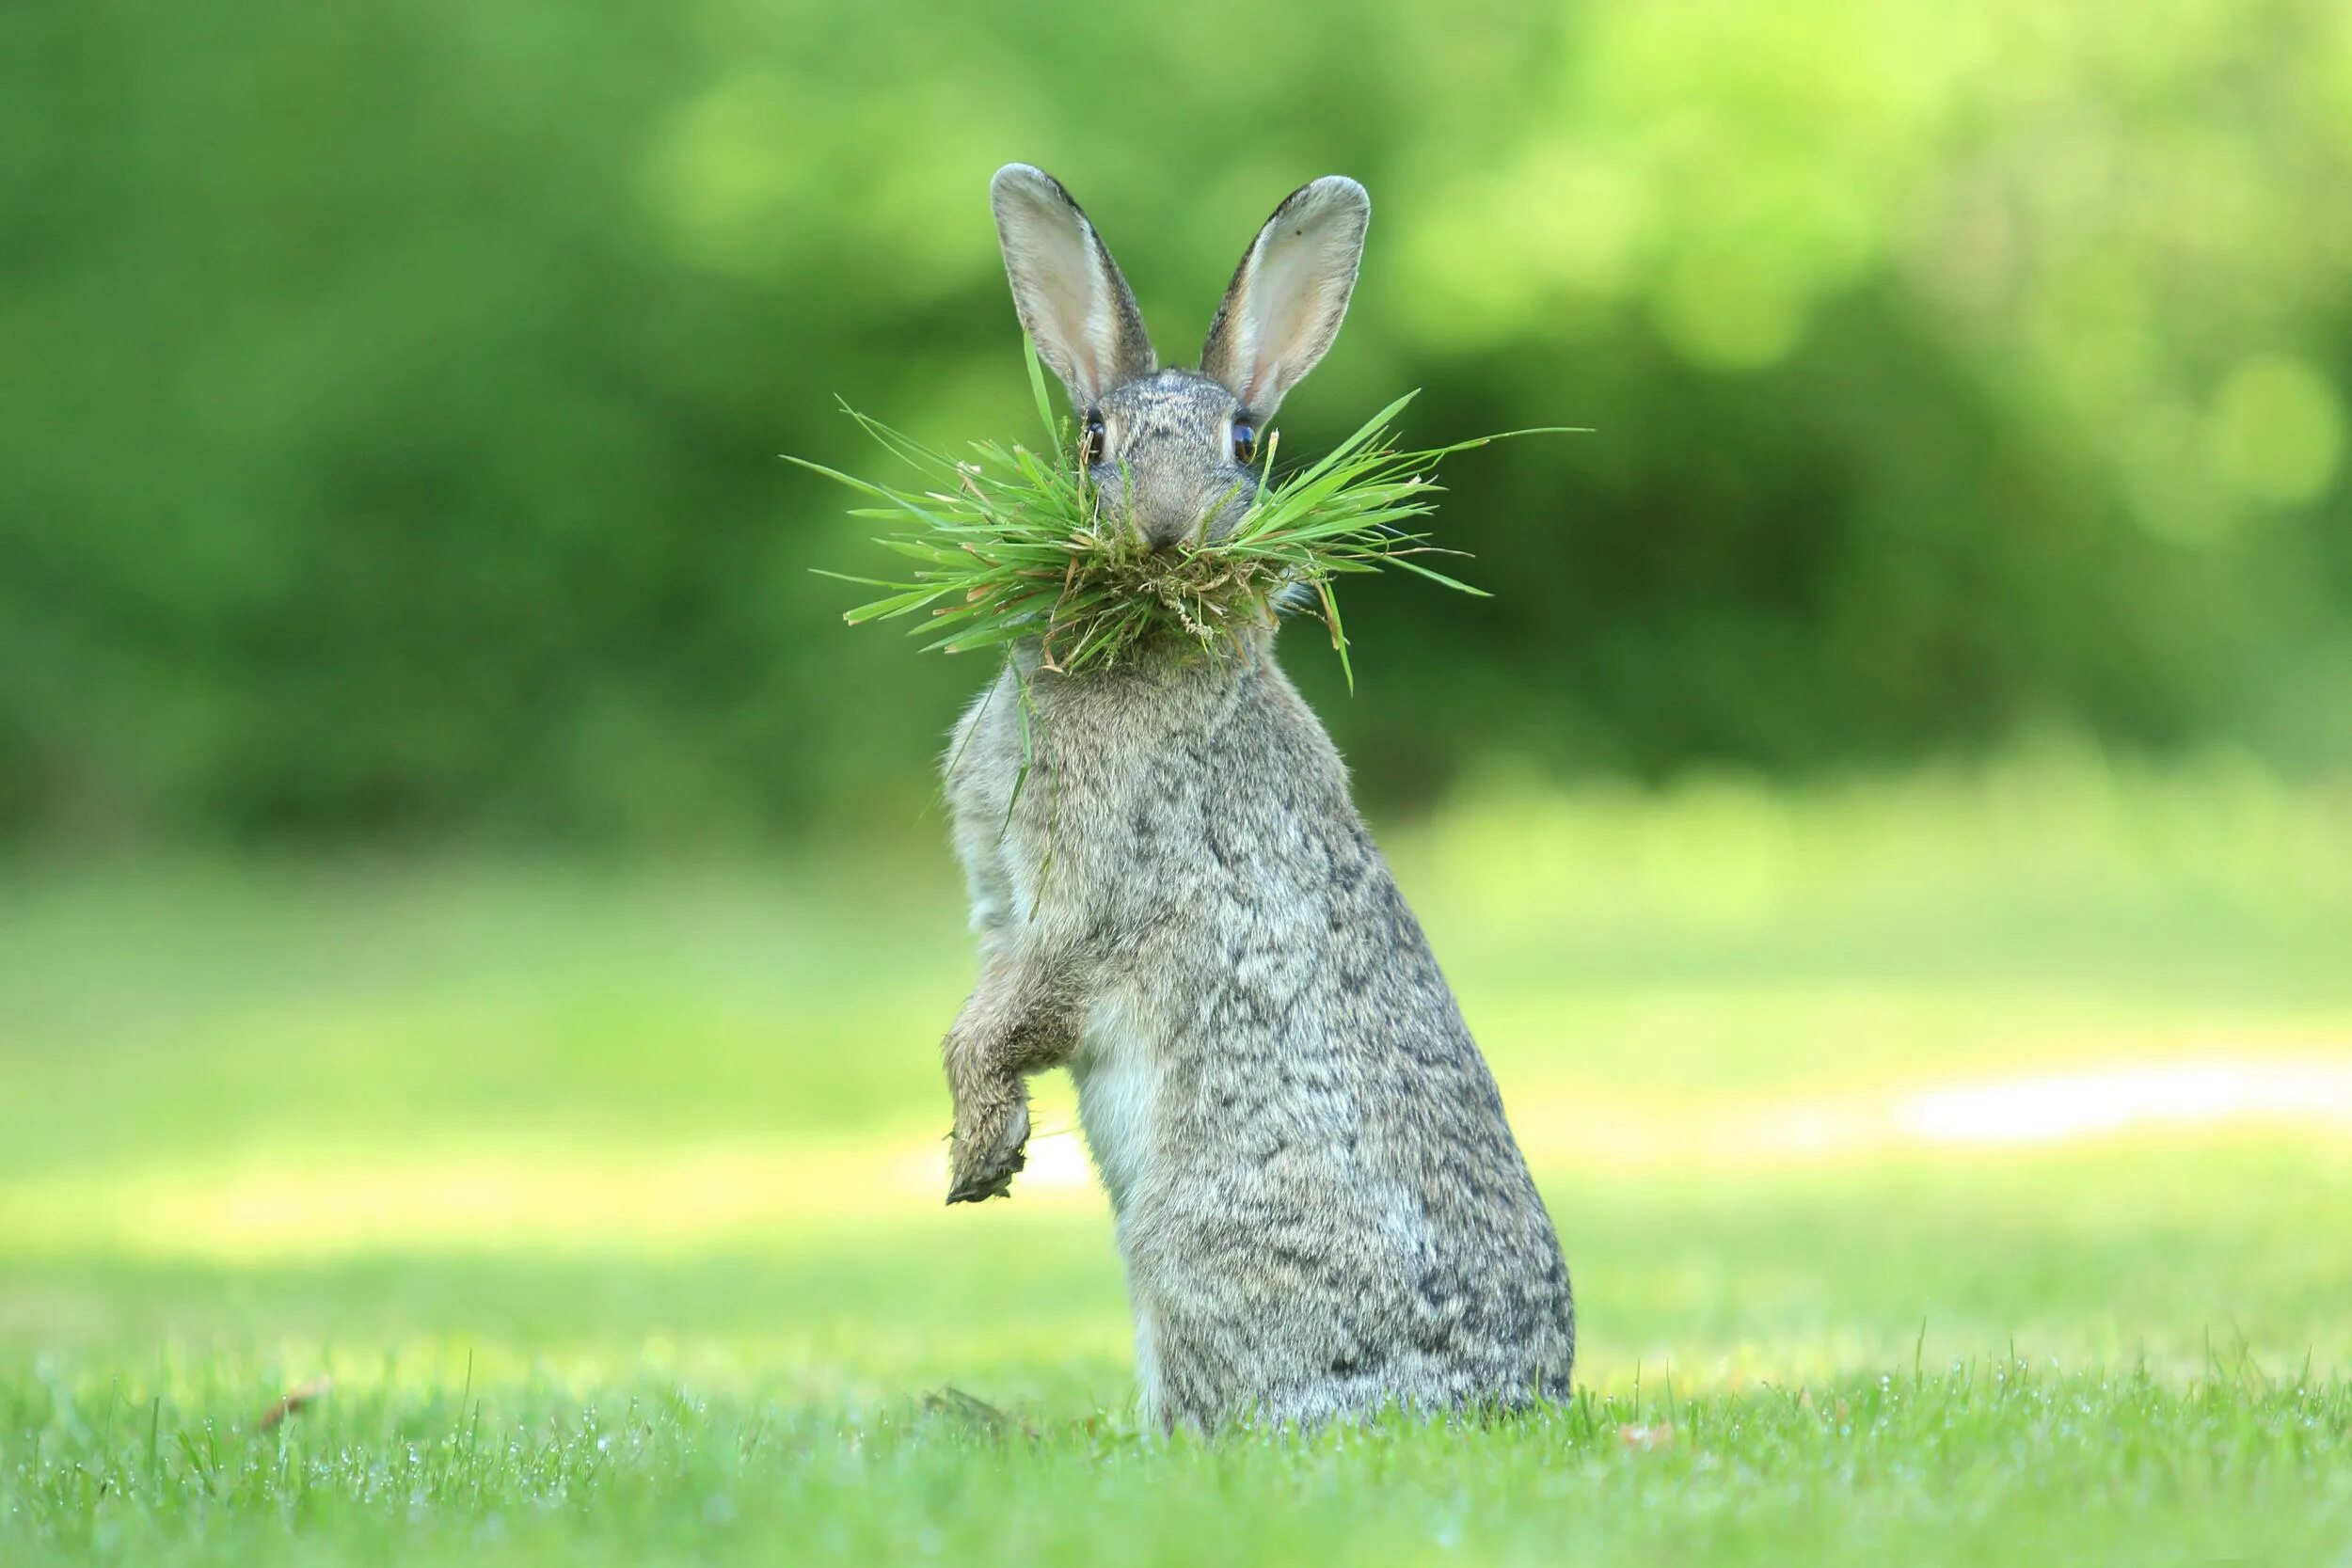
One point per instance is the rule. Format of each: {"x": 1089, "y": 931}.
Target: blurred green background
{"x": 468, "y": 922}
{"x": 392, "y": 393}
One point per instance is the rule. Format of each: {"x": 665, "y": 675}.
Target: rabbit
{"x": 1319, "y": 1203}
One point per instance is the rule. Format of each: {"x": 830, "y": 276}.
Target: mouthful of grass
{"x": 1010, "y": 543}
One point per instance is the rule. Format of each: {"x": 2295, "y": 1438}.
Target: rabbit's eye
{"x": 1244, "y": 441}
{"x": 1090, "y": 441}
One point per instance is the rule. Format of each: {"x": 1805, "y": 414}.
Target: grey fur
{"x": 1320, "y": 1204}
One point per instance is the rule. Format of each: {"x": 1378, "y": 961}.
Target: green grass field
{"x": 1956, "y": 1168}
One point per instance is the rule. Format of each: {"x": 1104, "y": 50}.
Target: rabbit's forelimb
{"x": 1022, "y": 1018}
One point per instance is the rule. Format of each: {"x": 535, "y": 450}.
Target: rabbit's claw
{"x": 983, "y": 1167}
{"x": 978, "y": 1186}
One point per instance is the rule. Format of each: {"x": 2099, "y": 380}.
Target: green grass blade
{"x": 1037, "y": 390}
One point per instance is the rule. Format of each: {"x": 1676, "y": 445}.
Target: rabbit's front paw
{"x": 988, "y": 1154}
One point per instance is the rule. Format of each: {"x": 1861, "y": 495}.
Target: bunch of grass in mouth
{"x": 1011, "y": 544}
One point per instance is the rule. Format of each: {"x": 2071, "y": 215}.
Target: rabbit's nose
{"x": 1168, "y": 510}
{"x": 1163, "y": 522}
{"x": 1166, "y": 531}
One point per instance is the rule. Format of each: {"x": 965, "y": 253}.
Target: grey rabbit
{"x": 1320, "y": 1205}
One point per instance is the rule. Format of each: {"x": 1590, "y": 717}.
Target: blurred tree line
{"x": 392, "y": 392}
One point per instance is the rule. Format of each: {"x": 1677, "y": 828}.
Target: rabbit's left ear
{"x": 1289, "y": 294}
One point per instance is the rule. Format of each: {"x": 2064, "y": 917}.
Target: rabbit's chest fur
{"x": 1118, "y": 1071}
{"x": 1177, "y": 829}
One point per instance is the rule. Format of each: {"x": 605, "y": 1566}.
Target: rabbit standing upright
{"x": 1320, "y": 1205}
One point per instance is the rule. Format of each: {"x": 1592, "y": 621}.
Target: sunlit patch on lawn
{"x": 292, "y": 1202}
{"x": 2080, "y": 1104}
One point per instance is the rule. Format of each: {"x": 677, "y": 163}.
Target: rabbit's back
{"x": 1319, "y": 1200}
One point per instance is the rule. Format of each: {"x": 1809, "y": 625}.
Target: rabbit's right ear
{"x": 1072, "y": 302}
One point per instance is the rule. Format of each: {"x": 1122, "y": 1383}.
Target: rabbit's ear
{"x": 1288, "y": 295}
{"x": 1072, "y": 302}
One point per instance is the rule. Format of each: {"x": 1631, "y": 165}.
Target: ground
{"x": 1952, "y": 1168}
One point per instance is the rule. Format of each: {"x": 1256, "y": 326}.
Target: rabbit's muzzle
{"x": 1167, "y": 515}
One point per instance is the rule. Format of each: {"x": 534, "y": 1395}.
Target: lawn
{"x": 1954, "y": 1167}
